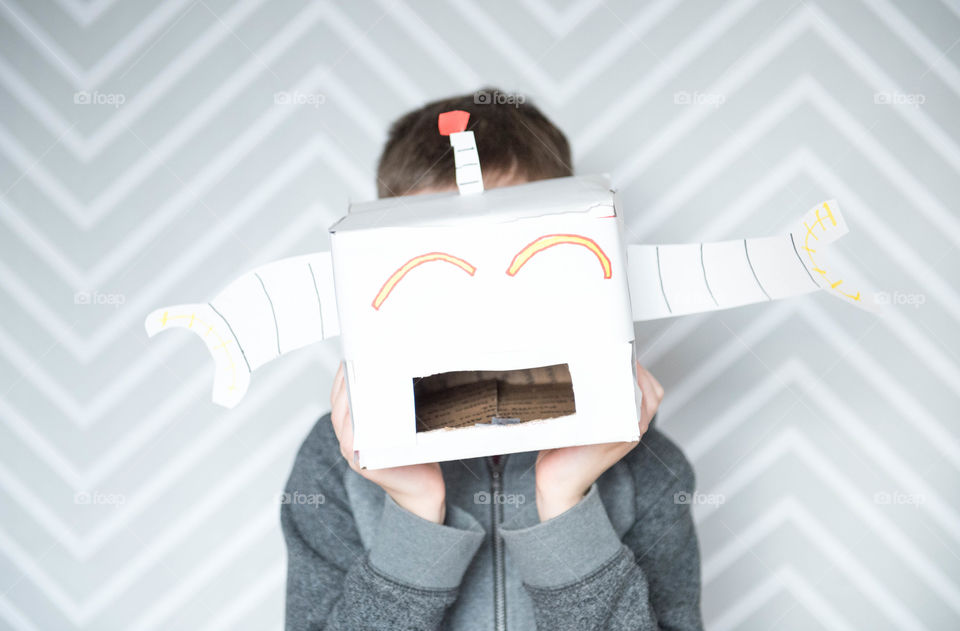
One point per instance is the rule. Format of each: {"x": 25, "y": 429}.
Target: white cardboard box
{"x": 516, "y": 278}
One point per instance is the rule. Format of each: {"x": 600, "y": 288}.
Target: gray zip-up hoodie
{"x": 625, "y": 557}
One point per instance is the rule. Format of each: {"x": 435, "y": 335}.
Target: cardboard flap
{"x": 556, "y": 196}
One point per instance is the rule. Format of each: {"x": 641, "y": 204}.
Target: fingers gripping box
{"x": 481, "y": 324}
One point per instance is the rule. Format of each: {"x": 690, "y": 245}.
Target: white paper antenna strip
{"x": 467, "y": 162}
{"x": 673, "y": 280}
{"x": 276, "y": 308}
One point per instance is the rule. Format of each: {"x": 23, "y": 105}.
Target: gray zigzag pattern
{"x": 147, "y": 155}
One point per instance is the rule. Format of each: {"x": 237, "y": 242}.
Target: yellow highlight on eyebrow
{"x": 412, "y": 263}
{"x": 550, "y": 240}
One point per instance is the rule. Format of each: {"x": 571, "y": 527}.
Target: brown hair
{"x": 514, "y": 139}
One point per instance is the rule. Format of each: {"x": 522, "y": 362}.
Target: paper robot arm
{"x": 673, "y": 280}
{"x": 270, "y": 311}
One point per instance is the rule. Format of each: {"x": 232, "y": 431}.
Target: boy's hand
{"x": 564, "y": 475}
{"x": 418, "y": 488}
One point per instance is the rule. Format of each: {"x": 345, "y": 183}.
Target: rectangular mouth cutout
{"x": 467, "y": 398}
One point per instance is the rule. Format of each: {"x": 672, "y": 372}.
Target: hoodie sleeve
{"x": 408, "y": 578}
{"x": 580, "y": 575}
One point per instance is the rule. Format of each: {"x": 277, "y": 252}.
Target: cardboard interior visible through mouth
{"x": 467, "y": 398}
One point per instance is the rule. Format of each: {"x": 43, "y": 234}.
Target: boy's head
{"x": 516, "y": 143}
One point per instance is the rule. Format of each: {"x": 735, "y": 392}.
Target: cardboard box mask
{"x": 457, "y": 310}
{"x": 493, "y": 321}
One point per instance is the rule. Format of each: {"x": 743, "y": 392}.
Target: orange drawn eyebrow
{"x": 409, "y": 265}
{"x": 549, "y": 240}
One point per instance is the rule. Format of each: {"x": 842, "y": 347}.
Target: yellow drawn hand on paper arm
{"x": 832, "y": 284}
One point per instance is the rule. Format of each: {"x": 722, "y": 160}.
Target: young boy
{"x": 586, "y": 537}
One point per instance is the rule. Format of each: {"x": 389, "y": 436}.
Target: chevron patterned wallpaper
{"x": 149, "y": 151}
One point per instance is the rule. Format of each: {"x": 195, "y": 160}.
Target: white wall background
{"x": 831, "y": 435}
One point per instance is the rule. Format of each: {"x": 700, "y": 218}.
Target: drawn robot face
{"x": 515, "y": 319}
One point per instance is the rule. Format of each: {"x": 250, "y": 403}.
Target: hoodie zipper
{"x": 499, "y": 586}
